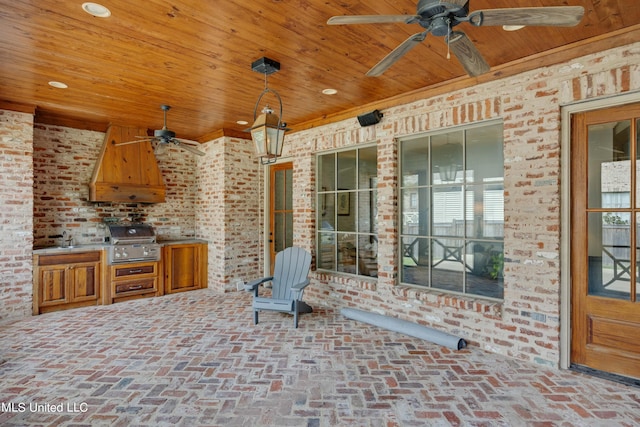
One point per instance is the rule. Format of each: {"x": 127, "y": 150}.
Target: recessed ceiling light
{"x": 242, "y": 122}
{"x": 96, "y": 9}
{"x": 58, "y": 85}
{"x": 329, "y": 91}
{"x": 512, "y": 27}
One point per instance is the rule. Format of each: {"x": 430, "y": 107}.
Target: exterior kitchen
{"x": 56, "y": 212}
{"x": 115, "y": 251}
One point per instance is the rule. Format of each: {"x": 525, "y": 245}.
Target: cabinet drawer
{"x": 69, "y": 258}
{"x": 132, "y": 281}
{"x": 142, "y": 285}
{"x": 125, "y": 271}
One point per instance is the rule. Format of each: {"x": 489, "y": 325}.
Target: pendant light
{"x": 268, "y": 129}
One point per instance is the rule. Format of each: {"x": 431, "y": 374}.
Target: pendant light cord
{"x": 448, "y": 39}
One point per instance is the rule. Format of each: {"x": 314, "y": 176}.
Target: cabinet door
{"x": 53, "y": 285}
{"x": 182, "y": 267}
{"x": 85, "y": 281}
{"x": 66, "y": 280}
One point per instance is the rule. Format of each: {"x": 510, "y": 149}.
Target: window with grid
{"x": 347, "y": 214}
{"x": 452, "y": 210}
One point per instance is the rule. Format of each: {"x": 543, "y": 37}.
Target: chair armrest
{"x": 253, "y": 285}
{"x": 298, "y": 288}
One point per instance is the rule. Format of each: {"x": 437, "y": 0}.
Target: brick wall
{"x": 16, "y": 225}
{"x": 526, "y": 325}
{"x": 227, "y": 211}
{"x": 64, "y": 160}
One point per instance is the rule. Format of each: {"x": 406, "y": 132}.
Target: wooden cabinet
{"x": 134, "y": 280}
{"x": 185, "y": 267}
{"x": 68, "y": 280}
{"x": 78, "y": 277}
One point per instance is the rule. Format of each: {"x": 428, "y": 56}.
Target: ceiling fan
{"x": 438, "y": 17}
{"x": 165, "y": 136}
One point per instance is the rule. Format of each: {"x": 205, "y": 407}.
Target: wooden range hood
{"x": 127, "y": 173}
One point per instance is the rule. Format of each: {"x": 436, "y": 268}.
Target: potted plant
{"x": 496, "y": 265}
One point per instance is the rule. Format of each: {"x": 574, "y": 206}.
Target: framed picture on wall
{"x": 344, "y": 202}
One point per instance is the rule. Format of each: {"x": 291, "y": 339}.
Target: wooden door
{"x": 605, "y": 244}
{"x": 281, "y": 209}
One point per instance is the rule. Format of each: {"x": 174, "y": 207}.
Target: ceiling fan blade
{"x": 396, "y": 54}
{"x": 191, "y": 149}
{"x": 371, "y": 19}
{"x": 187, "y": 141}
{"x": 560, "y": 16}
{"x": 467, "y": 53}
{"x": 134, "y": 142}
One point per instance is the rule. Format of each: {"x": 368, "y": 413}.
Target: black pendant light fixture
{"x": 268, "y": 129}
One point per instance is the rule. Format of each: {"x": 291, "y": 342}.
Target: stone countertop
{"x": 180, "y": 241}
{"x": 48, "y": 250}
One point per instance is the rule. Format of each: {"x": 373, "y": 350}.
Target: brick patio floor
{"x": 196, "y": 359}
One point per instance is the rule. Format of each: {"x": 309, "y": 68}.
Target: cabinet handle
{"x": 133, "y": 288}
{"x": 135, "y": 271}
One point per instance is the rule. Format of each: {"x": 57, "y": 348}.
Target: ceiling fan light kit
{"x": 438, "y": 17}
{"x": 268, "y": 129}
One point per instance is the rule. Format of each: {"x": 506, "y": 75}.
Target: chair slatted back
{"x": 292, "y": 266}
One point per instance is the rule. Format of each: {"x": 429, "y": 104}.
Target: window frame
{"x": 430, "y": 235}
{"x": 336, "y": 193}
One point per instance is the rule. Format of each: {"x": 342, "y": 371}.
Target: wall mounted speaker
{"x": 371, "y": 118}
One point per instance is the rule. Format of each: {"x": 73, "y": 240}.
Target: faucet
{"x": 67, "y": 241}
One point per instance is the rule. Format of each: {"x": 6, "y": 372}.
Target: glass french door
{"x": 605, "y": 244}
{"x": 280, "y": 209}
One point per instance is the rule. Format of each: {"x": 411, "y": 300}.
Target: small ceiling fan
{"x": 438, "y": 17}
{"x": 165, "y": 136}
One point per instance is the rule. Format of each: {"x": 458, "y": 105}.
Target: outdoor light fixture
{"x": 268, "y": 128}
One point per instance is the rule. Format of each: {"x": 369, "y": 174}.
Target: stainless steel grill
{"x": 132, "y": 242}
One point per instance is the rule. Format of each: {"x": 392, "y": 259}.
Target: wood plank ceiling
{"x": 196, "y": 56}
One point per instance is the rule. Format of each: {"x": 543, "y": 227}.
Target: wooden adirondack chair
{"x": 290, "y": 277}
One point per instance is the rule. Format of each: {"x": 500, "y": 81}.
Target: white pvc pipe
{"x": 405, "y": 327}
